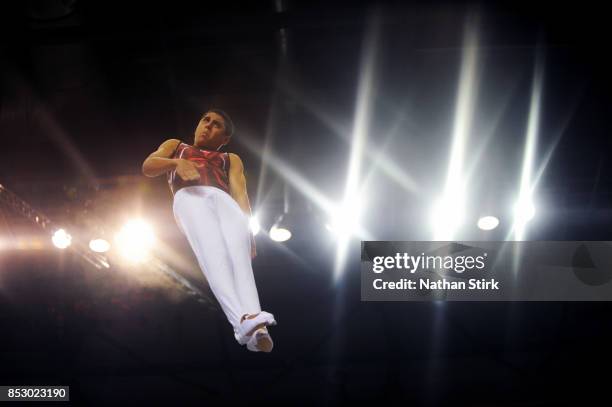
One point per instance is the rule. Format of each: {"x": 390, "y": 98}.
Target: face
{"x": 210, "y": 133}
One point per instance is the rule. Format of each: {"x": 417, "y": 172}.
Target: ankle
{"x": 257, "y": 328}
{"x": 248, "y": 316}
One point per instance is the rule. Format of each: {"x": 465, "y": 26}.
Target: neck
{"x": 205, "y": 147}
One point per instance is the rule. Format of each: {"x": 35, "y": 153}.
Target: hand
{"x": 187, "y": 170}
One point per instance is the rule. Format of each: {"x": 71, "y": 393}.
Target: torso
{"x": 214, "y": 170}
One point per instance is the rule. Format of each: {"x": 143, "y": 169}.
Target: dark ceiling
{"x": 90, "y": 88}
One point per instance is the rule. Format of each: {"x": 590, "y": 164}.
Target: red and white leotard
{"x": 213, "y": 169}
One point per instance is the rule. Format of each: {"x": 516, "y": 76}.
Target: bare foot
{"x": 264, "y": 342}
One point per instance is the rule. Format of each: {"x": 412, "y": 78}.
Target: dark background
{"x": 89, "y": 89}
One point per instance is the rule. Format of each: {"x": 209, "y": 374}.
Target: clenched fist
{"x": 187, "y": 170}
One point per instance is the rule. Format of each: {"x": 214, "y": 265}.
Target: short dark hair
{"x": 227, "y": 121}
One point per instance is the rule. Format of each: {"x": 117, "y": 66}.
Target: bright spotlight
{"x": 254, "y": 225}
{"x": 449, "y": 212}
{"x": 61, "y": 239}
{"x": 447, "y": 217}
{"x": 524, "y": 211}
{"x": 488, "y": 222}
{"x": 279, "y": 234}
{"x": 99, "y": 245}
{"x": 134, "y": 240}
{"x": 344, "y": 220}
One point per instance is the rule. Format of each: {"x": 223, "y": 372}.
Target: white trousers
{"x": 218, "y": 232}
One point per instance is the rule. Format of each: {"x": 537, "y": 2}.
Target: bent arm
{"x": 238, "y": 191}
{"x": 159, "y": 162}
{"x": 237, "y": 184}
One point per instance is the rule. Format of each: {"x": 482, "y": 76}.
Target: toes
{"x": 264, "y": 342}
{"x": 261, "y": 341}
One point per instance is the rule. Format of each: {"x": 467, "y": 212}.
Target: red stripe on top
{"x": 213, "y": 168}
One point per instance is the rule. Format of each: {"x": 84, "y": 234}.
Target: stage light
{"x": 61, "y": 239}
{"x": 488, "y": 222}
{"x": 344, "y": 221}
{"x": 448, "y": 216}
{"x": 524, "y": 211}
{"x": 99, "y": 245}
{"x": 254, "y": 225}
{"x": 134, "y": 240}
{"x": 361, "y": 124}
{"x": 279, "y": 232}
{"x": 448, "y": 213}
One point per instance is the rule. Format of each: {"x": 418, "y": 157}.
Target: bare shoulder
{"x": 236, "y": 166}
{"x": 166, "y": 149}
{"x": 170, "y": 143}
{"x": 235, "y": 159}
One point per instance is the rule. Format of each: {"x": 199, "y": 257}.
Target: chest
{"x": 203, "y": 157}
